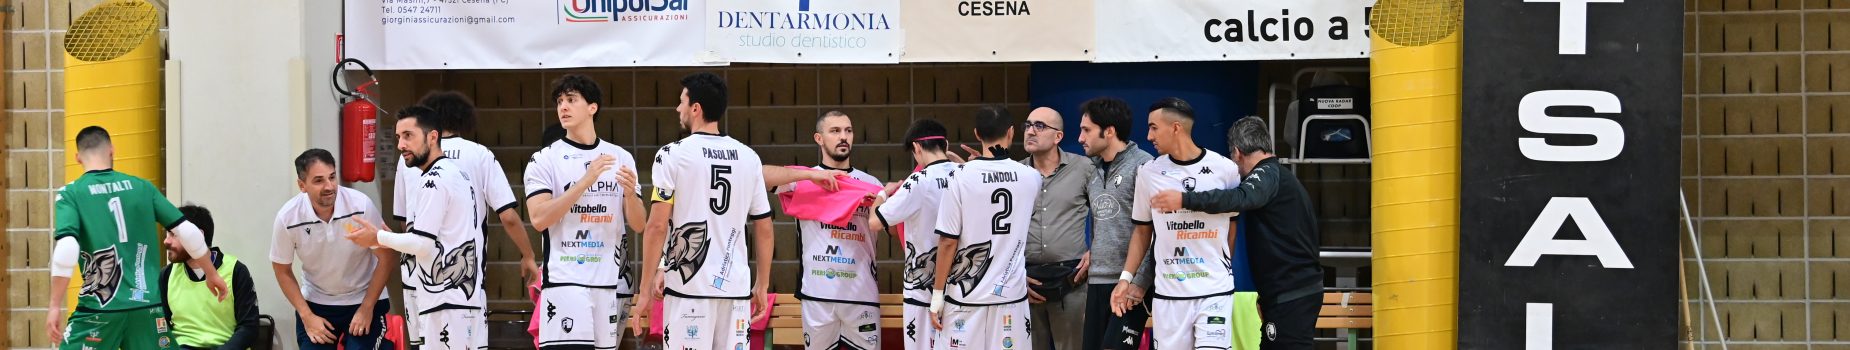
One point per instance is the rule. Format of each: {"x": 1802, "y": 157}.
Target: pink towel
{"x": 533, "y": 325}
{"x": 808, "y": 201}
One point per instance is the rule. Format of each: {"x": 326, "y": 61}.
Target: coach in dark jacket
{"x": 1282, "y": 234}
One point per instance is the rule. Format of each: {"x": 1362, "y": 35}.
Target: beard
{"x": 417, "y": 160}
{"x": 843, "y": 157}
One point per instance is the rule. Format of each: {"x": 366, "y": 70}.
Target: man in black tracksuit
{"x": 1282, "y": 243}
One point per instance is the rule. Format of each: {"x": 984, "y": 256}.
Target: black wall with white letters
{"x": 1603, "y": 144}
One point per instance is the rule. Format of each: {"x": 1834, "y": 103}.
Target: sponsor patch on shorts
{"x": 869, "y": 327}
{"x": 1217, "y": 320}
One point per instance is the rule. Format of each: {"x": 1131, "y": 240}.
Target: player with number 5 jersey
{"x": 983, "y": 229}
{"x": 709, "y": 190}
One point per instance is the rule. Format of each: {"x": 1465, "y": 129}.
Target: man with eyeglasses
{"x": 1057, "y": 250}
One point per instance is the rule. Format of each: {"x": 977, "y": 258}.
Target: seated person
{"x": 200, "y": 320}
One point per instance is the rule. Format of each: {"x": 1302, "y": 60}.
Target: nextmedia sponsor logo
{"x": 588, "y": 11}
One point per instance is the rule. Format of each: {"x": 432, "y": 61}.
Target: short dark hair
{"x": 831, "y": 114}
{"x": 708, "y": 90}
{"x": 1175, "y": 106}
{"x": 1248, "y": 135}
{"x": 310, "y": 157}
{"x": 552, "y": 133}
{"x": 454, "y": 112}
{"x": 1109, "y": 113}
{"x": 993, "y": 122}
{"x": 924, "y": 128}
{"x": 200, "y": 217}
{"x": 581, "y": 84}
{"x": 91, "y": 137}
{"x": 426, "y": 118}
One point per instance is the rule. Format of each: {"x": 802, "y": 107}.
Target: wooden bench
{"x": 1347, "y": 312}
{"x": 787, "y": 318}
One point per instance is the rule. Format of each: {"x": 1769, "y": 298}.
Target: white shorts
{"x": 412, "y": 332}
{"x": 572, "y": 315}
{"x": 454, "y": 329}
{"x": 827, "y": 326}
{"x": 1204, "y": 323}
{"x": 1002, "y": 327}
{"x": 919, "y": 332}
{"x": 717, "y": 324}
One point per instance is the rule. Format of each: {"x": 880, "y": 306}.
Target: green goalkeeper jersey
{"x": 113, "y": 216}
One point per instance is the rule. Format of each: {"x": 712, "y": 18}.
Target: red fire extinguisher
{"x": 359, "y": 125}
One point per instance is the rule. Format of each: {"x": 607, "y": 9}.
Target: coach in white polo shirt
{"x": 341, "y": 301}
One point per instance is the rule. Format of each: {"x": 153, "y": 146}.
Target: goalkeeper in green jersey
{"x": 105, "y": 223}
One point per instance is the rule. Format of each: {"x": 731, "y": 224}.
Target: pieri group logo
{"x": 593, "y": 11}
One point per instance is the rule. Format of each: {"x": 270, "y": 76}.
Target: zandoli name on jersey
{"x": 998, "y": 177}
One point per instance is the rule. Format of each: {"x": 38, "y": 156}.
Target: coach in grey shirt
{"x": 1057, "y": 234}
{"x": 1105, "y": 131}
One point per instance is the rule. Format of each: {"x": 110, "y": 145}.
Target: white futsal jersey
{"x": 485, "y": 175}
{"x": 987, "y": 208}
{"x": 838, "y": 262}
{"x": 717, "y": 187}
{"x": 585, "y": 248}
{"x": 1191, "y": 254}
{"x": 916, "y": 206}
{"x": 452, "y": 277}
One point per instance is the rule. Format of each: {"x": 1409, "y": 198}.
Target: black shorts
{"x": 1290, "y": 324}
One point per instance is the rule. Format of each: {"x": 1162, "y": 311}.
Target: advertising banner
{"x": 1568, "y": 227}
{"x": 804, "y": 31}
{"x": 524, "y": 34}
{"x": 998, "y": 31}
{"x": 1230, "y": 30}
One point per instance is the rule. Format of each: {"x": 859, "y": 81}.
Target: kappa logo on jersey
{"x": 430, "y": 184}
{"x": 102, "y": 275}
{"x": 687, "y": 250}
{"x": 551, "y": 310}
{"x": 972, "y": 263}
{"x": 454, "y": 269}
{"x": 919, "y": 265}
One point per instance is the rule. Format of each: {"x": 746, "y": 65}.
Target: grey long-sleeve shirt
{"x": 1111, "y": 193}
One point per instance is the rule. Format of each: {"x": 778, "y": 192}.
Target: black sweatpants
{"x": 1105, "y": 330}
{"x": 1290, "y": 324}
